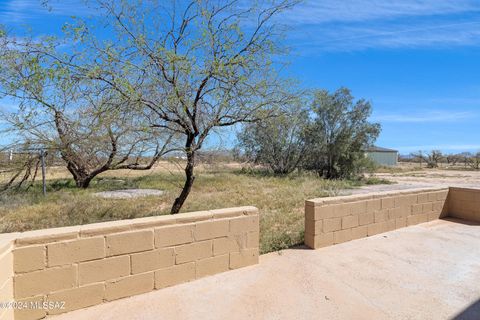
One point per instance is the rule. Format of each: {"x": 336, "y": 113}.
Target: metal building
{"x": 382, "y": 156}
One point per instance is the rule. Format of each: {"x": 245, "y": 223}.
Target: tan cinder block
{"x": 367, "y": 218}
{"x": 323, "y": 240}
{"x": 359, "y": 232}
{"x": 227, "y": 244}
{"x": 413, "y": 199}
{"x": 29, "y": 259}
{"x": 427, "y": 207}
{"x": 358, "y": 207}
{"x": 129, "y": 286}
{"x": 106, "y": 269}
{"x": 412, "y": 220}
{"x": 234, "y": 212}
{"x": 314, "y": 227}
{"x": 323, "y": 212}
{"x": 342, "y": 236}
{"x": 332, "y": 224}
{"x": 173, "y": 235}
{"x": 349, "y": 222}
{"x": 244, "y": 224}
{"x": 374, "y": 205}
{"x": 6, "y": 266}
{"x": 78, "y": 298}
{"x": 129, "y": 242}
{"x": 174, "y": 275}
{"x": 152, "y": 260}
{"x": 381, "y": 216}
{"x": 391, "y": 225}
{"x": 340, "y": 210}
{"x": 388, "y": 203}
{"x": 152, "y": 222}
{"x": 246, "y": 257}
{"x": 193, "y": 251}
{"x": 213, "y": 265}
{"x": 196, "y": 216}
{"x": 32, "y": 312}
{"x": 422, "y": 218}
{"x": 396, "y": 213}
{"x": 405, "y": 201}
{"x": 44, "y": 281}
{"x": 377, "y": 228}
{"x": 417, "y": 209}
{"x": 432, "y": 196}
{"x": 68, "y": 252}
{"x": 457, "y": 206}
{"x": 104, "y": 228}
{"x": 309, "y": 212}
{"x": 211, "y": 229}
{"x": 253, "y": 240}
{"x": 37, "y": 237}
{"x": 433, "y": 216}
{"x": 309, "y": 240}
{"x": 438, "y": 206}
{"x": 442, "y": 195}
{"x": 422, "y": 198}
{"x": 400, "y": 222}
{"x": 467, "y": 195}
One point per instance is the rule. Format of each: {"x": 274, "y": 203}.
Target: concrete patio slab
{"x": 427, "y": 271}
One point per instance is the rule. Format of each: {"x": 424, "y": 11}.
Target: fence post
{"x": 44, "y": 184}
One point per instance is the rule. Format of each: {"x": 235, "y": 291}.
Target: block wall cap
{"x": 369, "y": 196}
{"x": 52, "y": 235}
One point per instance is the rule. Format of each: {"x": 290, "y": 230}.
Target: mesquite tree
{"x": 194, "y": 65}
{"x": 277, "y": 142}
{"x": 338, "y": 133}
{"x": 20, "y": 171}
{"x": 90, "y": 125}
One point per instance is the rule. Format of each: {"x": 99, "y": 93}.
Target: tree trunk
{"x": 83, "y": 182}
{"x": 189, "y": 178}
{"x": 81, "y": 177}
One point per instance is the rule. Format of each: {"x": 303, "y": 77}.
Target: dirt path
{"x": 422, "y": 179}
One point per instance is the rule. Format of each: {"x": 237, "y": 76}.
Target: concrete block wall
{"x": 330, "y": 221}
{"x": 464, "y": 204}
{"x": 87, "y": 265}
{"x": 6, "y": 276}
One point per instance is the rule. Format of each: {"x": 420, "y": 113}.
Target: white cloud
{"x": 426, "y": 116}
{"x": 316, "y": 12}
{"x": 20, "y": 11}
{"x": 350, "y": 38}
{"x": 352, "y": 25}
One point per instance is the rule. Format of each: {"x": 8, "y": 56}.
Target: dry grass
{"x": 280, "y": 200}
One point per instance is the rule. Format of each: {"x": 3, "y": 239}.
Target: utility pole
{"x": 42, "y": 156}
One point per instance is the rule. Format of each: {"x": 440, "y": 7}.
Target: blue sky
{"x": 416, "y": 61}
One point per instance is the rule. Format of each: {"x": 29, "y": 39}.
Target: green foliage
{"x": 190, "y": 66}
{"x": 280, "y": 200}
{"x": 277, "y": 142}
{"x": 328, "y": 138}
{"x": 281, "y": 240}
{"x": 63, "y": 108}
{"x": 338, "y": 133}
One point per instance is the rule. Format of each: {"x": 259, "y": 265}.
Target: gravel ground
{"x": 422, "y": 179}
{"x": 129, "y": 193}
